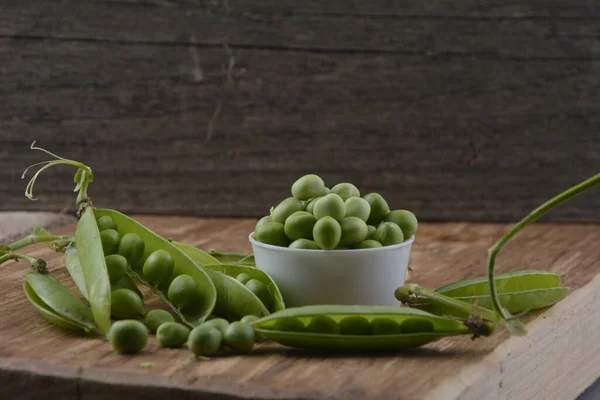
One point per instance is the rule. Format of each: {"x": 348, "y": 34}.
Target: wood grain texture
{"x": 557, "y": 358}
{"x": 456, "y": 111}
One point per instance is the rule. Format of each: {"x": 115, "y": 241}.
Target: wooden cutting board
{"x": 558, "y": 358}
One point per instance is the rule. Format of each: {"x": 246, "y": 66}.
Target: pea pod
{"x": 192, "y": 314}
{"x": 522, "y": 301}
{"x": 232, "y": 258}
{"x": 234, "y": 300}
{"x": 56, "y": 302}
{"x": 416, "y": 335}
{"x": 75, "y": 269}
{"x": 510, "y": 282}
{"x": 95, "y": 274}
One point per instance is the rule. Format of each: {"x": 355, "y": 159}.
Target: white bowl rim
{"x": 319, "y": 251}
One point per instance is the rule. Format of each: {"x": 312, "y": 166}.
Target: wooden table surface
{"x": 558, "y": 358}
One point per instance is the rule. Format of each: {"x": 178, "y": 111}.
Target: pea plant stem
{"x": 533, "y": 216}
{"x": 36, "y": 263}
{"x": 33, "y": 239}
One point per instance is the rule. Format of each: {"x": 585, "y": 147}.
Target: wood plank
{"x": 498, "y": 366}
{"x": 449, "y": 139}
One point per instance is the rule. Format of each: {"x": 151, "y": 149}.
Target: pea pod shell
{"x": 338, "y": 312}
{"x": 506, "y": 283}
{"x": 59, "y": 299}
{"x": 233, "y": 258}
{"x": 75, "y": 270}
{"x": 193, "y": 314}
{"x": 91, "y": 257}
{"x": 521, "y": 301}
{"x": 48, "y": 313}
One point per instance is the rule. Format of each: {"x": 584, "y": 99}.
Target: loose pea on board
{"x": 270, "y": 327}
{"x": 327, "y": 233}
{"x": 286, "y": 208}
{"x": 156, "y": 318}
{"x": 128, "y": 336}
{"x": 239, "y": 337}
{"x": 308, "y": 186}
{"x": 205, "y": 341}
{"x": 172, "y": 334}
{"x": 219, "y": 323}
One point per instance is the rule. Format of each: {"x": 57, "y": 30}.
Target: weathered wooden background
{"x": 458, "y": 110}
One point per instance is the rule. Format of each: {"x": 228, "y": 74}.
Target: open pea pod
{"x": 192, "y": 314}
{"x": 93, "y": 265}
{"x": 517, "y": 302}
{"x": 405, "y": 328}
{"x": 232, "y": 258}
{"x": 234, "y": 300}
{"x": 56, "y": 303}
{"x": 75, "y": 269}
{"x": 506, "y": 283}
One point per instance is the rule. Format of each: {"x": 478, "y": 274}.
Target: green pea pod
{"x": 506, "y": 283}
{"x": 75, "y": 270}
{"x": 223, "y": 276}
{"x": 437, "y": 327}
{"x": 517, "y": 302}
{"x": 91, "y": 257}
{"x": 127, "y": 283}
{"x": 193, "y": 314}
{"x": 232, "y": 258}
{"x": 58, "y": 299}
{"x": 48, "y": 313}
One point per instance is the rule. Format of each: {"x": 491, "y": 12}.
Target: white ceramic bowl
{"x": 362, "y": 276}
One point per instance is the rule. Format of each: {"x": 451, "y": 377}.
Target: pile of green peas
{"x": 316, "y": 217}
{"x": 213, "y": 336}
{"x": 126, "y": 252}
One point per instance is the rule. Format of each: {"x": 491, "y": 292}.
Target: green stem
{"x": 533, "y": 216}
{"x": 36, "y": 263}
{"x": 33, "y": 239}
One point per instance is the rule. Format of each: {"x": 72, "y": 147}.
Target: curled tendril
{"x": 83, "y": 177}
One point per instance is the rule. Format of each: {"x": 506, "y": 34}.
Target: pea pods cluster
{"x": 316, "y": 217}
{"x": 356, "y": 327}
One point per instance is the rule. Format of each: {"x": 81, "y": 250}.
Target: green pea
{"x": 289, "y": 325}
{"x": 128, "y": 336}
{"x": 116, "y": 267}
{"x": 131, "y": 247}
{"x": 416, "y": 326}
{"x": 300, "y": 225}
{"x": 110, "y": 241}
{"x": 205, "y": 341}
{"x": 379, "y": 208}
{"x": 357, "y": 207}
{"x": 369, "y": 244}
{"x": 345, "y": 190}
{"x": 125, "y": 303}
{"x": 286, "y": 208}
{"x": 308, "y": 186}
{"x": 261, "y": 291}
{"x": 304, "y": 244}
{"x": 355, "y": 325}
{"x": 354, "y": 230}
{"x": 272, "y": 233}
{"x": 388, "y": 233}
{"x": 327, "y": 233}
{"x": 243, "y": 278}
{"x": 183, "y": 290}
{"x": 172, "y": 334}
{"x": 405, "y": 220}
{"x": 311, "y": 204}
{"x": 330, "y": 205}
{"x": 323, "y": 324}
{"x": 385, "y": 326}
{"x": 248, "y": 319}
{"x": 371, "y": 232}
{"x": 105, "y": 223}
{"x": 158, "y": 267}
{"x": 156, "y": 318}
{"x": 217, "y": 323}
{"x": 262, "y": 221}
{"x": 239, "y": 337}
